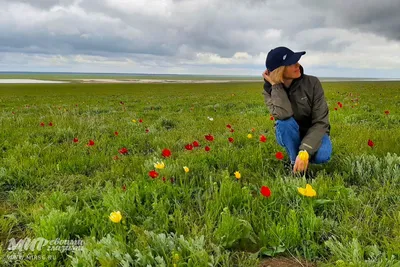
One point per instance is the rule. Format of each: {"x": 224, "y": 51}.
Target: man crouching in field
{"x": 298, "y": 104}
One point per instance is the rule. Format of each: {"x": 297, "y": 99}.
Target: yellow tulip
{"x": 115, "y": 216}
{"x": 176, "y": 257}
{"x": 186, "y": 169}
{"x": 159, "y": 165}
{"x": 308, "y": 191}
{"x": 249, "y": 136}
{"x": 133, "y": 120}
{"x": 304, "y": 155}
{"x": 238, "y": 175}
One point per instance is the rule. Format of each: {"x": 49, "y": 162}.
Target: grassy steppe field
{"x": 71, "y": 154}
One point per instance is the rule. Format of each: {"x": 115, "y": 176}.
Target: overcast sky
{"x": 342, "y": 38}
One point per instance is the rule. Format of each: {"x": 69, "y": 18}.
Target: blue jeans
{"x": 288, "y": 136}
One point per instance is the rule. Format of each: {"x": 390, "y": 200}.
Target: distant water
{"x": 27, "y": 81}
{"x": 31, "y": 77}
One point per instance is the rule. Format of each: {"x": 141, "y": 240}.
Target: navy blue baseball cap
{"x": 282, "y": 56}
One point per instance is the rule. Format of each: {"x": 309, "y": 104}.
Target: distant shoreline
{"x": 151, "y": 81}
{"x": 124, "y": 77}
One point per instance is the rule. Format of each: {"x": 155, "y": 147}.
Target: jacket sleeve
{"x": 320, "y": 121}
{"x": 278, "y": 102}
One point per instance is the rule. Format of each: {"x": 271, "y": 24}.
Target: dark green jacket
{"x": 305, "y": 101}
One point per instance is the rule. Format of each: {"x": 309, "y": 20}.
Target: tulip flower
{"x": 123, "y": 151}
{"x": 153, "y": 174}
{"x": 370, "y": 143}
{"x": 209, "y": 137}
{"x": 265, "y": 191}
{"x": 166, "y": 153}
{"x": 91, "y": 143}
{"x": 308, "y": 191}
{"x": 159, "y": 165}
{"x": 237, "y": 175}
{"x": 115, "y": 216}
{"x": 279, "y": 155}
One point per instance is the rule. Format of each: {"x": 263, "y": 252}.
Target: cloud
{"x": 192, "y": 35}
{"x": 378, "y": 17}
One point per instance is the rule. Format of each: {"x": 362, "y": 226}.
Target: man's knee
{"x": 322, "y": 158}
{"x": 288, "y": 123}
{"x": 287, "y": 133}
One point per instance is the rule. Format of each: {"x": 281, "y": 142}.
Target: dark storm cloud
{"x": 184, "y": 28}
{"x": 378, "y": 17}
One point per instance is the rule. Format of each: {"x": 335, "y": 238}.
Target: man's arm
{"x": 278, "y": 102}
{"x": 320, "y": 122}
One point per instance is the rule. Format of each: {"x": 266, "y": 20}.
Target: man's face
{"x": 292, "y": 71}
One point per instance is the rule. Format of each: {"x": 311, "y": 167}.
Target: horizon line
{"x": 169, "y": 74}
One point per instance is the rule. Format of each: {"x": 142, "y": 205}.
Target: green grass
{"x": 54, "y": 188}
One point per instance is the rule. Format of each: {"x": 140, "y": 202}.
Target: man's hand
{"x": 266, "y": 76}
{"x": 301, "y": 163}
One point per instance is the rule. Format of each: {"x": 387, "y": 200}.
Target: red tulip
{"x": 335, "y": 108}
{"x": 265, "y": 191}
{"x": 196, "y": 144}
{"x": 153, "y": 174}
{"x": 279, "y": 155}
{"x": 370, "y": 143}
{"x": 229, "y": 126}
{"x": 189, "y": 147}
{"x": 271, "y": 118}
{"x": 207, "y": 148}
{"x": 147, "y": 130}
{"x": 116, "y": 133}
{"x": 230, "y": 139}
{"x": 263, "y": 138}
{"x": 209, "y": 137}
{"x": 91, "y": 143}
{"x": 42, "y": 124}
{"x": 166, "y": 153}
{"x": 232, "y": 130}
{"x": 124, "y": 188}
{"x": 387, "y": 112}
{"x": 115, "y": 158}
{"x": 76, "y": 140}
{"x": 123, "y": 151}
{"x": 140, "y": 120}
{"x": 50, "y": 124}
